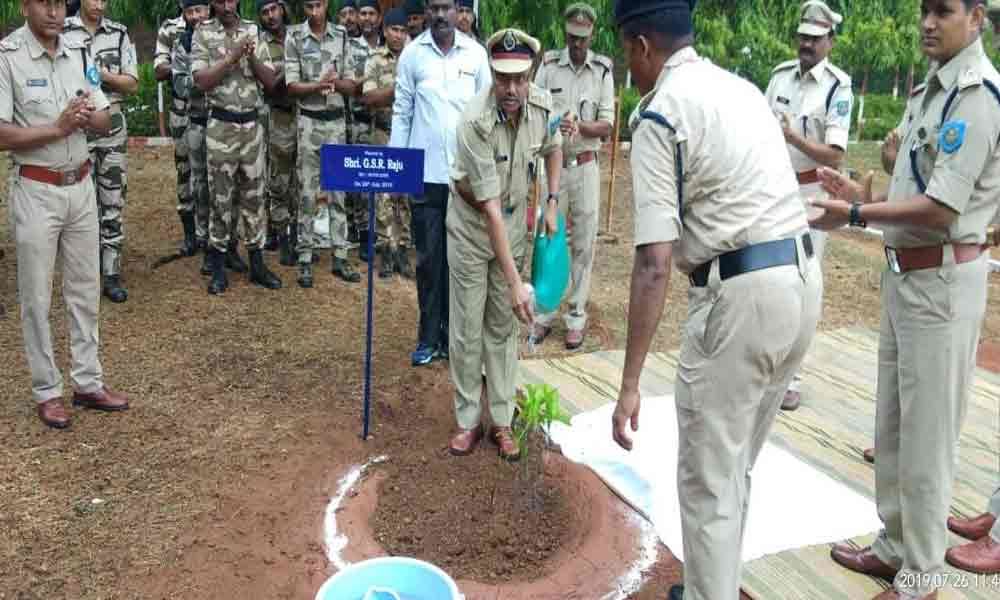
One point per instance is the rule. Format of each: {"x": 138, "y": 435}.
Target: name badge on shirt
{"x": 38, "y": 83}
{"x": 501, "y": 159}
{"x": 784, "y": 100}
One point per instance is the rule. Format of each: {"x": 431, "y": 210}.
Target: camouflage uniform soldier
{"x": 392, "y": 214}
{"x": 166, "y": 39}
{"x": 360, "y": 49}
{"x": 227, "y": 63}
{"x": 110, "y": 58}
{"x": 195, "y": 12}
{"x": 314, "y": 57}
{"x": 282, "y": 186}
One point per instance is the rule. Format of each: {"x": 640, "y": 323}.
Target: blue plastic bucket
{"x": 390, "y": 578}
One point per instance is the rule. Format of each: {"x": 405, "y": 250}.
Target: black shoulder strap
{"x": 829, "y": 96}
{"x": 678, "y": 158}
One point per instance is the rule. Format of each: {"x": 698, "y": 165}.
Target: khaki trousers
{"x": 742, "y": 340}
{"x": 807, "y": 192}
{"x": 482, "y": 332}
{"x": 929, "y": 331}
{"x": 579, "y": 198}
{"x": 51, "y": 221}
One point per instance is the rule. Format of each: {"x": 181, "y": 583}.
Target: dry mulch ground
{"x": 246, "y": 411}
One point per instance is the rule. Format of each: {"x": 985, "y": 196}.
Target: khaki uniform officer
{"x": 166, "y": 40}
{"x": 314, "y": 60}
{"x": 812, "y": 99}
{"x": 392, "y": 211}
{"x": 729, "y": 216}
{"x": 501, "y": 132}
{"x": 942, "y": 196}
{"x": 47, "y": 104}
{"x": 226, "y": 64}
{"x": 583, "y": 92}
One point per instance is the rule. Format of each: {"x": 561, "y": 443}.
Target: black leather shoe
{"x": 217, "y": 263}
{"x": 343, "y": 269}
{"x": 233, "y": 260}
{"x": 259, "y": 272}
{"x": 113, "y": 289}
{"x": 189, "y": 247}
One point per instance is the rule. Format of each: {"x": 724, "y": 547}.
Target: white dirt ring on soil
{"x": 605, "y": 562}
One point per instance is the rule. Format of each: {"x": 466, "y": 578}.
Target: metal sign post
{"x": 372, "y": 170}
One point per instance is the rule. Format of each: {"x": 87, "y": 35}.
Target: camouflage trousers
{"x": 282, "y": 185}
{"x": 357, "y": 204}
{"x": 110, "y": 157}
{"x": 392, "y": 220}
{"x": 198, "y": 161}
{"x": 178, "y": 127}
{"x": 236, "y": 178}
{"x": 313, "y": 134}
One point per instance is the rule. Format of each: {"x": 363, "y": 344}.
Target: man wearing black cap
{"x": 347, "y": 17}
{"x": 466, "y": 22}
{"x": 728, "y": 215}
{"x": 416, "y": 19}
{"x": 282, "y": 131}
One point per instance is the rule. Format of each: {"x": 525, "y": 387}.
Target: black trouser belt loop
{"x": 323, "y": 115}
{"x": 753, "y": 258}
{"x": 202, "y": 121}
{"x": 234, "y": 117}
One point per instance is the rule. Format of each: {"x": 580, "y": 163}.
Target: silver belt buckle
{"x": 892, "y": 259}
{"x": 69, "y": 178}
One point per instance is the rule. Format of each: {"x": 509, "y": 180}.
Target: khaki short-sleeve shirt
{"x": 34, "y": 90}
{"x": 587, "y": 92}
{"x": 238, "y": 91}
{"x": 110, "y": 47}
{"x": 951, "y": 155}
{"x": 309, "y": 57}
{"x": 494, "y": 155}
{"x": 737, "y": 187}
{"x": 817, "y": 103}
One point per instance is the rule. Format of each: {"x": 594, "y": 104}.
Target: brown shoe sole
{"x": 55, "y": 424}
{"x": 101, "y": 407}
{"x": 500, "y": 453}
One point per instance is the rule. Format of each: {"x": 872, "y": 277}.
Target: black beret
{"x": 190, "y": 3}
{"x": 369, "y": 4}
{"x": 627, "y": 10}
{"x": 467, "y": 3}
{"x": 347, "y": 4}
{"x": 414, "y": 7}
{"x": 396, "y": 17}
{"x": 260, "y": 4}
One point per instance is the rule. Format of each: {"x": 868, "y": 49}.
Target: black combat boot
{"x": 189, "y": 247}
{"x": 305, "y": 275}
{"x": 259, "y": 272}
{"x": 206, "y": 261}
{"x": 363, "y": 245}
{"x": 386, "y": 262}
{"x": 113, "y": 289}
{"x": 403, "y": 263}
{"x": 217, "y": 263}
{"x": 233, "y": 260}
{"x": 343, "y": 269}
{"x": 271, "y": 241}
{"x": 286, "y": 254}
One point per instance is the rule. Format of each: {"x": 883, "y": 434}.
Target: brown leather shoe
{"x": 503, "y": 437}
{"x": 53, "y": 413}
{"x": 982, "y": 556}
{"x": 574, "y": 339}
{"x": 791, "y": 401}
{"x": 869, "y": 455}
{"x": 862, "y": 561}
{"x": 106, "y": 399}
{"x": 973, "y": 529}
{"x": 464, "y": 442}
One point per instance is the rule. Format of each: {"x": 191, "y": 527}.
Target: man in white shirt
{"x": 439, "y": 73}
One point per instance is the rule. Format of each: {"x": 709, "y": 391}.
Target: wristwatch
{"x": 553, "y": 197}
{"x": 854, "y": 217}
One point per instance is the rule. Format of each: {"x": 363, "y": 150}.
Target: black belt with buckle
{"x": 323, "y": 115}
{"x": 753, "y": 258}
{"x": 201, "y": 120}
{"x": 240, "y": 118}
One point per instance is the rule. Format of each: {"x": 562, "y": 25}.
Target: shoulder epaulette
{"x": 540, "y": 97}
{"x": 788, "y": 64}
{"x": 842, "y": 77}
{"x": 604, "y": 61}
{"x": 115, "y": 25}
{"x": 552, "y": 56}
{"x": 72, "y": 24}
{"x": 10, "y": 43}
{"x": 970, "y": 78}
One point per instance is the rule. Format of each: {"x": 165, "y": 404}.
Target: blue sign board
{"x": 373, "y": 169}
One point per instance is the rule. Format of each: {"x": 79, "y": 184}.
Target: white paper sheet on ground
{"x": 792, "y": 505}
